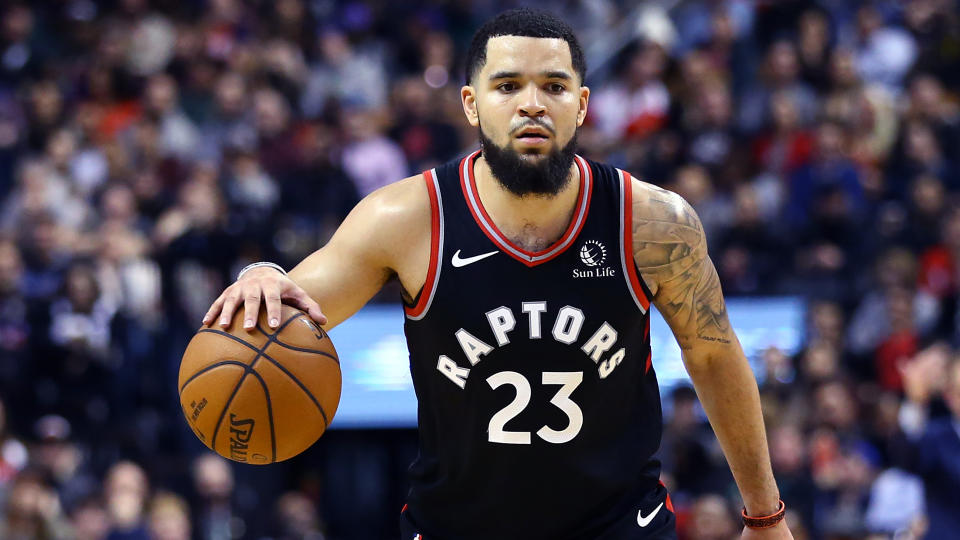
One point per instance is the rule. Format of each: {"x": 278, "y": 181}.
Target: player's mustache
{"x": 524, "y": 124}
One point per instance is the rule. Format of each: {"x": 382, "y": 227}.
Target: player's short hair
{"x": 525, "y": 22}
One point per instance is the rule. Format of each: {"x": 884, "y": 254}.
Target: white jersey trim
{"x": 439, "y": 261}
{"x": 623, "y": 248}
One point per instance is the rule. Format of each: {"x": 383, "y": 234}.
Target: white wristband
{"x": 249, "y": 267}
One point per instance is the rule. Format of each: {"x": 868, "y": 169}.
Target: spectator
{"x": 710, "y": 519}
{"x": 782, "y": 72}
{"x": 298, "y": 519}
{"x": 178, "y": 135}
{"x": 80, "y": 319}
{"x": 788, "y": 145}
{"x": 814, "y": 42}
{"x": 830, "y": 175}
{"x": 318, "y": 193}
{"x": 748, "y": 253}
{"x": 41, "y": 191}
{"x": 427, "y": 140}
{"x": 930, "y": 447}
{"x": 637, "y": 104}
{"x": 929, "y": 104}
{"x": 884, "y": 53}
{"x": 13, "y": 454}
{"x": 872, "y": 324}
{"x": 230, "y": 120}
{"x": 939, "y": 264}
{"x": 275, "y": 132}
{"x": 169, "y": 518}
{"x": 926, "y": 209}
{"x": 353, "y": 78}
{"x": 33, "y": 511}
{"x": 62, "y": 461}
{"x": 792, "y": 469}
{"x": 929, "y": 23}
{"x": 370, "y": 159}
{"x": 711, "y": 135}
{"x": 89, "y": 520}
{"x": 214, "y": 484}
{"x": 126, "y": 491}
{"x": 17, "y": 328}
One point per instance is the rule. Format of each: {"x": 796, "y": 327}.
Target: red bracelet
{"x": 764, "y": 522}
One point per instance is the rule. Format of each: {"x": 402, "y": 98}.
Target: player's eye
{"x": 507, "y": 87}
{"x": 556, "y": 88}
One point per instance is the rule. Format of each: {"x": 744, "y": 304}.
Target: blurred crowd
{"x": 151, "y": 148}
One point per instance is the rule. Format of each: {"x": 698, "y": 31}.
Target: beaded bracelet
{"x": 764, "y": 522}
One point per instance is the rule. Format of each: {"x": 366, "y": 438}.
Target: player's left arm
{"x": 670, "y": 250}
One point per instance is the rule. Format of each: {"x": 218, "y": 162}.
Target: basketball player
{"x": 528, "y": 273}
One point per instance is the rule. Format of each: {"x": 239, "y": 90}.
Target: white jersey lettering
{"x": 600, "y": 342}
{"x": 533, "y": 311}
{"x": 567, "y": 327}
{"x": 452, "y": 371}
{"x": 473, "y": 347}
{"x": 501, "y": 321}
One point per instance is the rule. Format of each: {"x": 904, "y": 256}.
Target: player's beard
{"x": 544, "y": 177}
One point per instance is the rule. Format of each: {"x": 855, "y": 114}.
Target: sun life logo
{"x": 593, "y": 253}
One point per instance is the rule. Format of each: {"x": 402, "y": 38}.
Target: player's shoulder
{"x": 666, "y": 234}
{"x": 389, "y": 222}
{"x": 654, "y": 203}
{"x": 398, "y": 203}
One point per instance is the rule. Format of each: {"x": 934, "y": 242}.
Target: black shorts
{"x": 652, "y": 519}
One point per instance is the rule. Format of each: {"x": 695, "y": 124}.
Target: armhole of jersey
{"x": 637, "y": 290}
{"x": 425, "y": 298}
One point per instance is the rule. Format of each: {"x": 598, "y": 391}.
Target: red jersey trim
{"x": 646, "y": 337}
{"x": 669, "y": 503}
{"x": 418, "y": 311}
{"x": 626, "y": 245}
{"x": 529, "y": 258}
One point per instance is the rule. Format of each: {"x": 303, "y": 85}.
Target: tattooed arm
{"x": 670, "y": 249}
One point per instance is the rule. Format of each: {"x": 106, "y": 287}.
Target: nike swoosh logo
{"x": 458, "y": 262}
{"x": 644, "y": 521}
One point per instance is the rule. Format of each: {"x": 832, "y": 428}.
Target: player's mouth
{"x": 533, "y": 136}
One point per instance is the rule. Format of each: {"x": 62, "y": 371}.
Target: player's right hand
{"x": 273, "y": 288}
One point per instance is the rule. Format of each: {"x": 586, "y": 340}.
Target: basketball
{"x": 263, "y": 395}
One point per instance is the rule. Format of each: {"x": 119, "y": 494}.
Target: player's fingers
{"x": 251, "y": 305}
{"x": 230, "y": 299}
{"x": 271, "y": 297}
{"x": 304, "y": 302}
{"x": 213, "y": 311}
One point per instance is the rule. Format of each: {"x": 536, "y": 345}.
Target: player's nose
{"x": 531, "y": 102}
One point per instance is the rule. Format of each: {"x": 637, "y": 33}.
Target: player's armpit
{"x": 386, "y": 234}
{"x": 670, "y": 250}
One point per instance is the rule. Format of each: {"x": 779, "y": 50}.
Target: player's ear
{"x": 468, "y": 98}
{"x": 584, "y": 99}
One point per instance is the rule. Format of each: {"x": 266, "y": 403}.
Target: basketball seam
{"x": 273, "y": 338}
{"x": 216, "y": 429}
{"x": 266, "y": 393}
{"x": 260, "y": 353}
{"x": 211, "y": 366}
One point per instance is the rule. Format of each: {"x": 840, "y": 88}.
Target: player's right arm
{"x": 387, "y": 234}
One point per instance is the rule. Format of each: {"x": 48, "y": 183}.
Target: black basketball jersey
{"x": 539, "y": 411}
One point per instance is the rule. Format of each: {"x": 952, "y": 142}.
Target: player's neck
{"x": 533, "y": 222}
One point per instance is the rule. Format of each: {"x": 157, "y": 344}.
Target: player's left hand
{"x": 780, "y": 531}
